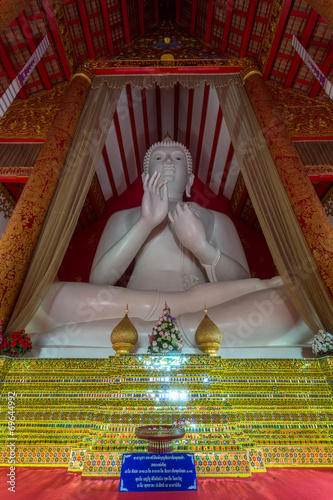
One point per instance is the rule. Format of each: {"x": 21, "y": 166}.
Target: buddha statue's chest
{"x": 164, "y": 264}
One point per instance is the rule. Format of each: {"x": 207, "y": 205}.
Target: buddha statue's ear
{"x": 189, "y": 185}
{"x": 143, "y": 176}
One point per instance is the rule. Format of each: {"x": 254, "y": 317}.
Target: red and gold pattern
{"x": 314, "y": 223}
{"x": 21, "y": 235}
{"x": 32, "y": 118}
{"x": 64, "y": 33}
{"x": 303, "y": 116}
{"x": 270, "y": 32}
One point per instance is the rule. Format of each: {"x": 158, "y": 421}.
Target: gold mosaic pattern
{"x": 245, "y": 414}
{"x": 32, "y": 118}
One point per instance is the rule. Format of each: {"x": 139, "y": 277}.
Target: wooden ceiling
{"x": 102, "y": 28}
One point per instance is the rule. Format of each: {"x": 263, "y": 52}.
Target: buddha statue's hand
{"x": 155, "y": 206}
{"x": 189, "y": 229}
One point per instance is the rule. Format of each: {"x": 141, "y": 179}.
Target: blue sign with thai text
{"x": 158, "y": 472}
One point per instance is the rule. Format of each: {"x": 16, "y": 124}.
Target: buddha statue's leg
{"x": 68, "y": 303}
{"x": 264, "y": 317}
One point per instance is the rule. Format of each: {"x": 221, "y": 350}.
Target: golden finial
{"x": 124, "y": 336}
{"x": 208, "y": 335}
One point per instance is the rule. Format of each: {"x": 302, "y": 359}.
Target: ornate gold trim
{"x": 84, "y": 76}
{"x": 253, "y": 72}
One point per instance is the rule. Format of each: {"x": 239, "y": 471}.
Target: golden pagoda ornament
{"x": 124, "y": 336}
{"x": 208, "y": 336}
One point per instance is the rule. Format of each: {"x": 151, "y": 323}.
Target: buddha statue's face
{"x": 171, "y": 162}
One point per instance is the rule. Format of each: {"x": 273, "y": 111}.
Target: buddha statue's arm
{"x": 126, "y": 232}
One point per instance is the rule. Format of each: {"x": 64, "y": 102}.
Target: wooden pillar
{"x": 21, "y": 235}
{"x": 9, "y": 10}
{"x": 313, "y": 221}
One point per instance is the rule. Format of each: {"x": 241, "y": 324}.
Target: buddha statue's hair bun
{"x": 167, "y": 142}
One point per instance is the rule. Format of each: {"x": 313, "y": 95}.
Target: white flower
{"x": 165, "y": 346}
{"x": 154, "y": 343}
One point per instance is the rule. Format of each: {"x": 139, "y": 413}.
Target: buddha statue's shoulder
{"x": 123, "y": 219}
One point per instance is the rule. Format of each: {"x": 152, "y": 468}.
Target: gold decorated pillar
{"x": 324, "y": 8}
{"x": 20, "y": 238}
{"x": 9, "y": 10}
{"x": 310, "y": 214}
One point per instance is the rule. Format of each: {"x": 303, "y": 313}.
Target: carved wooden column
{"x": 314, "y": 223}
{"x": 9, "y": 10}
{"x": 21, "y": 235}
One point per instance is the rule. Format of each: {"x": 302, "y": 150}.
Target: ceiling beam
{"x": 145, "y": 117}
{"x": 125, "y": 20}
{"x": 189, "y": 117}
{"x": 214, "y": 146}
{"x": 202, "y": 128}
{"x": 193, "y": 16}
{"x": 133, "y": 128}
{"x": 226, "y": 167}
{"x": 27, "y": 32}
{"x": 296, "y": 60}
{"x": 277, "y": 37}
{"x": 121, "y": 148}
{"x": 248, "y": 27}
{"x": 158, "y": 112}
{"x": 178, "y": 11}
{"x": 141, "y": 18}
{"x": 107, "y": 26}
{"x": 156, "y": 16}
{"x": 227, "y": 24}
{"x": 325, "y": 68}
{"x": 176, "y": 113}
{"x": 12, "y": 73}
{"x": 86, "y": 28}
{"x": 209, "y": 20}
{"x": 109, "y": 171}
{"x": 57, "y": 38}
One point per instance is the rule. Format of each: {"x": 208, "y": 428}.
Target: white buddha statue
{"x": 185, "y": 255}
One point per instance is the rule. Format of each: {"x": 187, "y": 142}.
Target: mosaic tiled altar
{"x": 245, "y": 415}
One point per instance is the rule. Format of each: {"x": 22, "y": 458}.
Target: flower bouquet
{"x": 322, "y": 343}
{"x": 17, "y": 344}
{"x": 165, "y": 337}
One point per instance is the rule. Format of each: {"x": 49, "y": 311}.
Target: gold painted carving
{"x": 32, "y": 118}
{"x": 270, "y": 31}
{"x": 66, "y": 39}
{"x": 303, "y": 116}
{"x": 7, "y": 202}
{"x": 21, "y": 235}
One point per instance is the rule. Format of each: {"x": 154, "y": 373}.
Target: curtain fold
{"x": 68, "y": 200}
{"x": 282, "y": 231}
